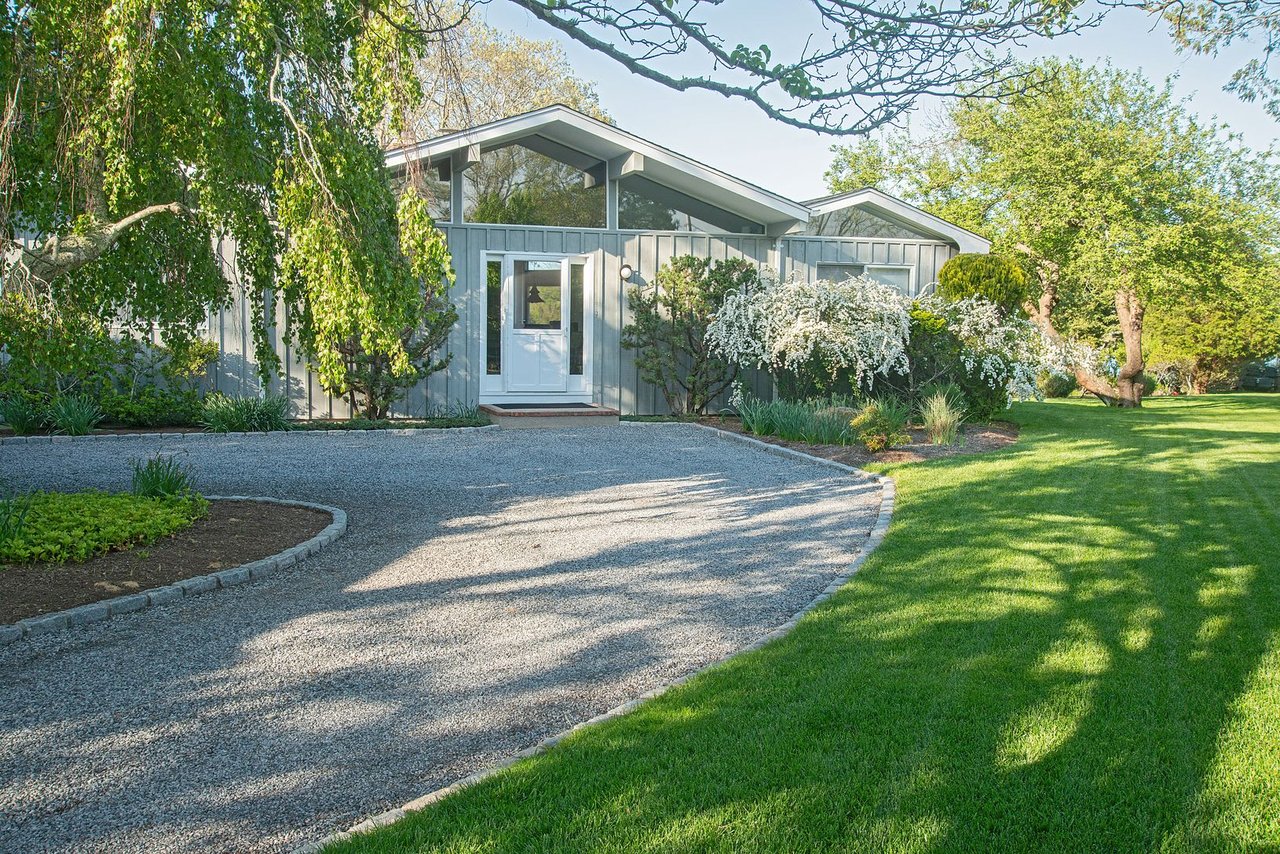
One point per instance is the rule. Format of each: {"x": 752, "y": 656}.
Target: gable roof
{"x": 602, "y": 151}
{"x": 591, "y": 145}
{"x": 896, "y": 210}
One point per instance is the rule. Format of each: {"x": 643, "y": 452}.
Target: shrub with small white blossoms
{"x": 858, "y": 327}
{"x": 1002, "y": 351}
{"x": 861, "y": 329}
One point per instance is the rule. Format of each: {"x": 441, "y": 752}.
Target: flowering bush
{"x": 815, "y": 331}
{"x": 1006, "y": 353}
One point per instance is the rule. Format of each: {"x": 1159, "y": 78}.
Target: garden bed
{"x": 443, "y": 423}
{"x": 233, "y": 533}
{"x": 978, "y": 438}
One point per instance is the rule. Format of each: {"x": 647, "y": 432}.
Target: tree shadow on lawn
{"x": 1059, "y": 647}
{"x": 231, "y": 733}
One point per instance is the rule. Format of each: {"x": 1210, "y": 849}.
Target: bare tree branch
{"x": 876, "y": 60}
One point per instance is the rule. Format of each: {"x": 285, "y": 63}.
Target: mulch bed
{"x": 234, "y": 533}
{"x": 978, "y": 438}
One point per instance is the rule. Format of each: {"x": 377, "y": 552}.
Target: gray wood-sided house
{"x": 541, "y": 308}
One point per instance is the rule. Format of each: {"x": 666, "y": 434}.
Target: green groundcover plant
{"x": 60, "y": 527}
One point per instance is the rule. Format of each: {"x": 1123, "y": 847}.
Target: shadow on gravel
{"x": 490, "y": 591}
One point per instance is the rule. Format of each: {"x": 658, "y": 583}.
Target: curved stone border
{"x": 96, "y": 612}
{"x": 874, "y": 538}
{"x": 198, "y": 435}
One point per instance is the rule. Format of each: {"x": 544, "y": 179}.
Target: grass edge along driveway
{"x": 1072, "y": 644}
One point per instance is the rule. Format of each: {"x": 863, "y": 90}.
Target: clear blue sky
{"x": 741, "y": 140}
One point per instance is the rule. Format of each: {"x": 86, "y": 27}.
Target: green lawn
{"x": 1073, "y": 644}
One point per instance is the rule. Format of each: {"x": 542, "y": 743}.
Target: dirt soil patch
{"x": 234, "y": 533}
{"x": 978, "y": 438}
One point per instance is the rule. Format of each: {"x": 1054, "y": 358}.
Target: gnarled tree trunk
{"x": 1131, "y": 311}
{"x": 36, "y": 267}
{"x": 1041, "y": 314}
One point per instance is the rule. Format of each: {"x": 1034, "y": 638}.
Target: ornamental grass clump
{"x": 942, "y": 418}
{"x": 161, "y": 476}
{"x": 816, "y": 422}
{"x": 22, "y": 416}
{"x": 882, "y": 423}
{"x": 223, "y": 414}
{"x": 13, "y": 518}
{"x": 74, "y": 415}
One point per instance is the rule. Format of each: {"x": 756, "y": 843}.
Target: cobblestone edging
{"x": 201, "y": 435}
{"x": 874, "y": 538}
{"x": 96, "y": 612}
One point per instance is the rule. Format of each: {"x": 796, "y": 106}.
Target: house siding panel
{"x": 617, "y": 378}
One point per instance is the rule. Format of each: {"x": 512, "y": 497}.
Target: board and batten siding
{"x": 802, "y": 255}
{"x": 617, "y": 381}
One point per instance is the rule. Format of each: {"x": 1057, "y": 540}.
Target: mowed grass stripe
{"x": 1071, "y": 644}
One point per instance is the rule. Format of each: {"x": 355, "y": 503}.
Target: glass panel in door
{"x": 537, "y": 358}
{"x": 537, "y": 293}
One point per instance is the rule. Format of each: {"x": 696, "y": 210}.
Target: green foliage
{"x": 74, "y": 414}
{"x": 224, "y": 414}
{"x": 1207, "y": 341}
{"x": 669, "y": 326}
{"x": 816, "y": 422}
{"x": 152, "y": 406}
{"x": 13, "y": 518}
{"x": 881, "y": 423}
{"x": 22, "y": 416}
{"x": 76, "y": 526}
{"x": 1105, "y": 185}
{"x": 935, "y": 356}
{"x": 134, "y": 382}
{"x": 942, "y": 416}
{"x": 142, "y": 132}
{"x": 51, "y": 352}
{"x": 993, "y": 277}
{"x": 161, "y": 476}
{"x": 1058, "y": 385}
{"x": 382, "y": 341}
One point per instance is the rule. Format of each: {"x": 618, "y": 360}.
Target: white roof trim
{"x": 877, "y": 201}
{"x": 576, "y": 130}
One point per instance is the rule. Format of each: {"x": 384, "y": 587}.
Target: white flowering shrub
{"x": 858, "y": 328}
{"x": 862, "y": 331}
{"x": 1003, "y": 352}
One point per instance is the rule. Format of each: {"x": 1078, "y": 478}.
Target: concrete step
{"x": 525, "y": 415}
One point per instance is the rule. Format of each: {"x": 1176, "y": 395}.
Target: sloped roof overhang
{"x": 604, "y": 151}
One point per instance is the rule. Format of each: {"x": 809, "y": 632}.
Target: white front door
{"x": 537, "y": 355}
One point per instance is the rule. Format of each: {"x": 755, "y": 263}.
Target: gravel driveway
{"x": 493, "y": 588}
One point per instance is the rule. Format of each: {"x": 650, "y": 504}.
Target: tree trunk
{"x": 1041, "y": 314}
{"x": 1129, "y": 381}
{"x": 36, "y": 267}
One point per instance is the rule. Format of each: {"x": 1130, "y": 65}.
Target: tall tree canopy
{"x": 1121, "y": 200}
{"x": 147, "y": 128}
{"x": 134, "y": 132}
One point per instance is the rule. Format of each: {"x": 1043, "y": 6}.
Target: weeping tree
{"x": 136, "y": 132}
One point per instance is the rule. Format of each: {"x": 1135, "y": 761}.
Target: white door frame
{"x": 578, "y": 388}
